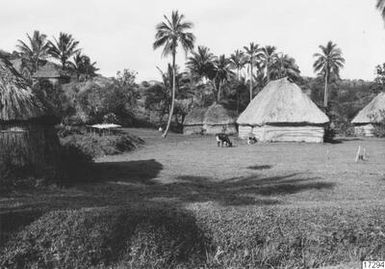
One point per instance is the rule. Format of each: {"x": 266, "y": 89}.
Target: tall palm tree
{"x": 237, "y": 62}
{"x": 269, "y": 57}
{"x": 328, "y": 62}
{"x": 35, "y": 50}
{"x": 222, "y": 73}
{"x": 83, "y": 66}
{"x": 253, "y": 54}
{"x": 63, "y": 48}
{"x": 169, "y": 34}
{"x": 200, "y": 63}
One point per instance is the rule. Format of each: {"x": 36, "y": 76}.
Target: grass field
{"x": 240, "y": 194}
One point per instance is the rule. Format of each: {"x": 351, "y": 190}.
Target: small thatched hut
{"x": 53, "y": 73}
{"x": 27, "y": 137}
{"x": 218, "y": 119}
{"x": 369, "y": 116}
{"x": 282, "y": 112}
{"x": 193, "y": 123}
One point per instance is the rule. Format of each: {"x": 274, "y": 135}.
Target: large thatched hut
{"x": 282, "y": 112}
{"x": 218, "y": 119}
{"x": 369, "y": 116}
{"x": 193, "y": 123}
{"x": 27, "y": 137}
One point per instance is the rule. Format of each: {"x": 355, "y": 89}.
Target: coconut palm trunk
{"x": 172, "y": 95}
{"x": 251, "y": 81}
{"x": 326, "y": 89}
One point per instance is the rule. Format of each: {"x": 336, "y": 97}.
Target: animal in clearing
{"x": 223, "y": 140}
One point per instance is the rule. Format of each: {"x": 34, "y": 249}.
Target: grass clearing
{"x": 285, "y": 204}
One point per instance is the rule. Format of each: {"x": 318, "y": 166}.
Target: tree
{"x": 328, "y": 62}
{"x": 237, "y": 62}
{"x": 83, "y": 66}
{"x": 200, "y": 63}
{"x": 36, "y": 51}
{"x": 269, "y": 56}
{"x": 381, "y": 7}
{"x": 253, "y": 54}
{"x": 63, "y": 48}
{"x": 169, "y": 34}
{"x": 285, "y": 66}
{"x": 222, "y": 73}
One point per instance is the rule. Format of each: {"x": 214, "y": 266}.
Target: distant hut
{"x": 27, "y": 137}
{"x": 218, "y": 119}
{"x": 369, "y": 116}
{"x": 282, "y": 112}
{"x": 193, "y": 123}
{"x": 53, "y": 73}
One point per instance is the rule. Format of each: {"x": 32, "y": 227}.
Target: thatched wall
{"x": 30, "y": 146}
{"x": 220, "y": 128}
{"x": 364, "y": 130}
{"x": 270, "y": 133}
{"x": 244, "y": 131}
{"x": 192, "y": 129}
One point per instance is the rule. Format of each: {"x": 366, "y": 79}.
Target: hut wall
{"x": 268, "y": 133}
{"x": 364, "y": 130}
{"x": 192, "y": 129}
{"x": 220, "y": 128}
{"x": 244, "y": 131}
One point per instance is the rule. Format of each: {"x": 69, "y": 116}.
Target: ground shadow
{"x": 259, "y": 167}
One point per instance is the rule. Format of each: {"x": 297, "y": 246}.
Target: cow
{"x": 252, "y": 140}
{"x": 223, "y": 139}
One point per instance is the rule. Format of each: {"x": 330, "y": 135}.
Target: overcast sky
{"x": 119, "y": 33}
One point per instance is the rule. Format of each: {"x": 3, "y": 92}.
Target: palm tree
{"x": 253, "y": 54}
{"x": 63, "y": 48}
{"x": 201, "y": 64}
{"x": 285, "y": 66}
{"x": 169, "y": 34}
{"x": 328, "y": 62}
{"x": 381, "y": 7}
{"x": 237, "y": 62}
{"x": 222, "y": 73}
{"x": 82, "y": 65}
{"x": 269, "y": 57}
{"x": 36, "y": 51}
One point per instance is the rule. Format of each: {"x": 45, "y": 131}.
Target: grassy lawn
{"x": 255, "y": 202}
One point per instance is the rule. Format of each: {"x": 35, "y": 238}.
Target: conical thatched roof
{"x": 216, "y": 114}
{"x": 195, "y": 117}
{"x": 17, "y": 102}
{"x": 282, "y": 101}
{"x": 371, "y": 113}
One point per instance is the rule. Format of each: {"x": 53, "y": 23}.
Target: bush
{"x": 139, "y": 238}
{"x": 97, "y": 146}
{"x": 330, "y": 134}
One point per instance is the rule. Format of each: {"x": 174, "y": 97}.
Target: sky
{"x": 118, "y": 34}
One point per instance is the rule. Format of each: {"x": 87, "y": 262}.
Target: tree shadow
{"x": 259, "y": 167}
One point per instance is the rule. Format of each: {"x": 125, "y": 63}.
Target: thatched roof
{"x": 50, "y": 70}
{"x": 195, "y": 117}
{"x": 17, "y": 102}
{"x": 216, "y": 114}
{"x": 282, "y": 101}
{"x": 371, "y": 110}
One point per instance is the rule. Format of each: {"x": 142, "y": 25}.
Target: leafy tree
{"x": 328, "y": 63}
{"x": 169, "y": 34}
{"x": 35, "y": 50}
{"x": 253, "y": 55}
{"x": 222, "y": 73}
{"x": 285, "y": 66}
{"x": 269, "y": 57}
{"x": 201, "y": 63}
{"x": 381, "y": 7}
{"x": 63, "y": 48}
{"x": 380, "y": 78}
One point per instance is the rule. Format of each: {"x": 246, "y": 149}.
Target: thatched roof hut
{"x": 369, "y": 116}
{"x": 218, "y": 119}
{"x": 193, "y": 123}
{"x": 27, "y": 136}
{"x": 211, "y": 120}
{"x": 282, "y": 112}
{"x": 53, "y": 73}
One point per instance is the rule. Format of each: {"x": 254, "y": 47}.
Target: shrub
{"x": 140, "y": 238}
{"x": 330, "y": 134}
